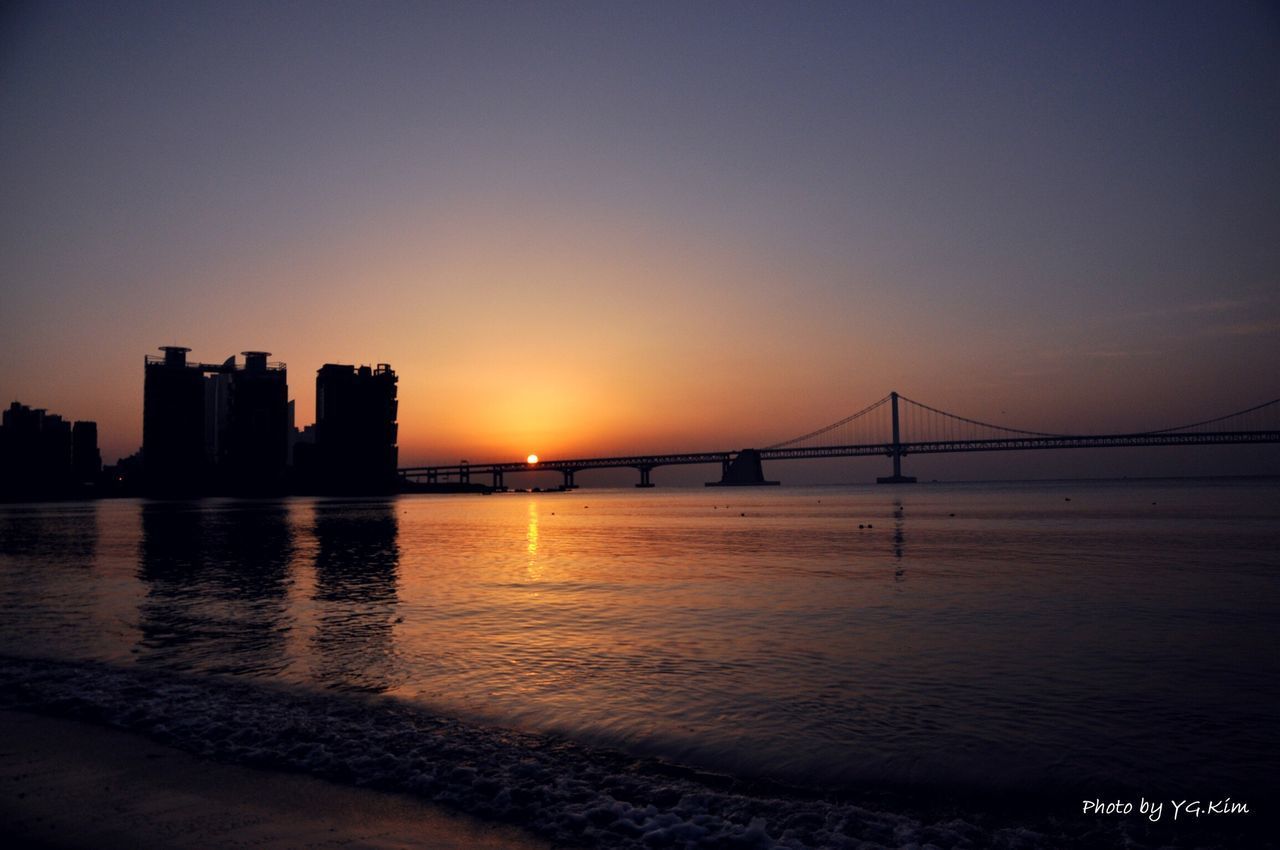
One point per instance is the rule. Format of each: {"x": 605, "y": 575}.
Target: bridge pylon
{"x": 896, "y": 451}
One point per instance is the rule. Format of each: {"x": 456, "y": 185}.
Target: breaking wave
{"x": 564, "y": 791}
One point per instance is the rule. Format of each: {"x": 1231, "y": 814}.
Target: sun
{"x": 532, "y": 459}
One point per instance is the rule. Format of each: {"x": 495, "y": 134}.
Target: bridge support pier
{"x": 897, "y": 477}
{"x": 568, "y": 479}
{"x": 745, "y": 470}
{"x": 644, "y": 476}
{"x": 498, "y": 483}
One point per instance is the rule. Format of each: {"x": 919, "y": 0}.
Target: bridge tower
{"x": 896, "y": 451}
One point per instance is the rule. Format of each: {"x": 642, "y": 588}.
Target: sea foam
{"x": 564, "y": 791}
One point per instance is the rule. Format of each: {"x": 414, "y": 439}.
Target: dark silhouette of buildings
{"x": 86, "y": 460}
{"x": 355, "y": 449}
{"x": 42, "y": 456}
{"x": 247, "y": 423}
{"x": 228, "y": 428}
{"x": 124, "y": 477}
{"x": 173, "y": 435}
{"x": 214, "y": 428}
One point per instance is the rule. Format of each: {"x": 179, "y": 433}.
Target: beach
{"x": 68, "y": 784}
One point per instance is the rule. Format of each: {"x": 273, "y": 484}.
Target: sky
{"x": 612, "y": 228}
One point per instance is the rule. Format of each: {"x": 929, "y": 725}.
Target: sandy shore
{"x": 73, "y": 785}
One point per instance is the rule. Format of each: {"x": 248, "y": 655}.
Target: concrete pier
{"x": 745, "y": 470}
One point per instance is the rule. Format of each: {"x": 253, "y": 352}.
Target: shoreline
{"x": 69, "y": 784}
{"x": 128, "y": 776}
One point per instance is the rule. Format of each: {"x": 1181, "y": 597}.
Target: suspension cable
{"x": 830, "y": 427}
{"x": 948, "y": 422}
{"x": 1216, "y": 419}
{"x": 984, "y": 424}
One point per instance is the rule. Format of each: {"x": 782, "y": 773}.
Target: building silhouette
{"x": 86, "y": 459}
{"x": 39, "y": 454}
{"x": 247, "y": 425}
{"x": 173, "y": 428}
{"x": 355, "y": 448}
{"x": 53, "y": 454}
{"x": 214, "y": 428}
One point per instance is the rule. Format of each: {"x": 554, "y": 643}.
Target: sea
{"x": 1007, "y": 664}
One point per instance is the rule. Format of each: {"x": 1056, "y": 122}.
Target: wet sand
{"x": 67, "y": 784}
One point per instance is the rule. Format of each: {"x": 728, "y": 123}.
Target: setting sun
{"x": 532, "y": 459}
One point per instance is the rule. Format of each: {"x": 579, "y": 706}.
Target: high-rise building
{"x": 55, "y": 453}
{"x": 173, "y": 424}
{"x": 86, "y": 459}
{"x": 251, "y": 424}
{"x": 227, "y": 432}
{"x": 19, "y": 450}
{"x": 356, "y": 429}
{"x": 36, "y": 454}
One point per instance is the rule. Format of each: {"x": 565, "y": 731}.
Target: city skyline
{"x": 229, "y": 428}
{"x": 583, "y": 230}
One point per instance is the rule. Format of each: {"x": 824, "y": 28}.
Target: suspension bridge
{"x": 893, "y": 427}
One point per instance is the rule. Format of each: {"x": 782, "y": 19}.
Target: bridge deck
{"x": 651, "y": 461}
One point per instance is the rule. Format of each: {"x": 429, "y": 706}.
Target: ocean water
{"x": 957, "y": 665}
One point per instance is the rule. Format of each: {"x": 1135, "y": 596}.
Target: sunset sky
{"x": 584, "y": 228}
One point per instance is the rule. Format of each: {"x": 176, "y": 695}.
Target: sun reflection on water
{"x": 534, "y": 570}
